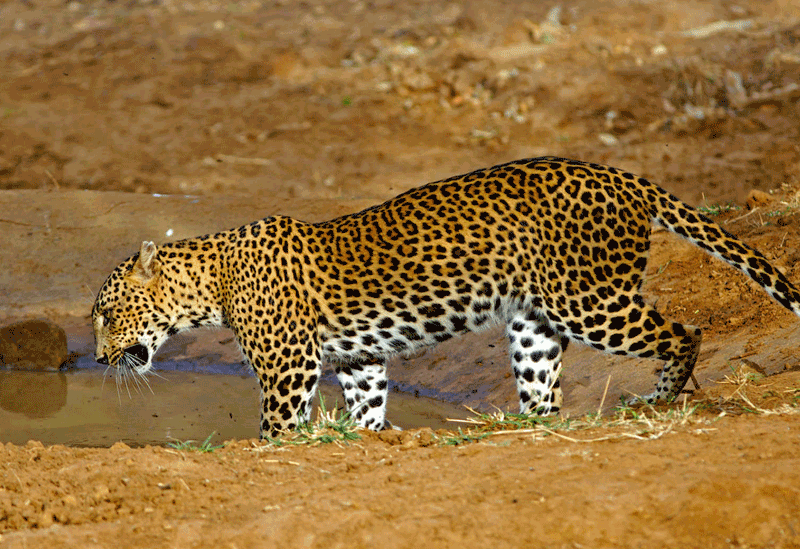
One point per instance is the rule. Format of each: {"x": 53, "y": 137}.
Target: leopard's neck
{"x": 190, "y": 282}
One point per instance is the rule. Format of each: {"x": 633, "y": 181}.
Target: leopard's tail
{"x": 680, "y": 218}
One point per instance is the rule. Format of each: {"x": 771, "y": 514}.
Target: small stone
{"x": 46, "y": 520}
{"x": 419, "y": 80}
{"x": 101, "y": 492}
{"x": 426, "y": 437}
{"x": 658, "y": 50}
{"x": 607, "y": 139}
{"x": 404, "y": 51}
{"x": 752, "y": 368}
{"x": 756, "y": 199}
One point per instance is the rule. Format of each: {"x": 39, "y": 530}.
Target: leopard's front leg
{"x": 287, "y": 362}
{"x": 287, "y": 396}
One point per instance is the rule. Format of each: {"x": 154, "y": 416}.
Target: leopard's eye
{"x": 106, "y": 319}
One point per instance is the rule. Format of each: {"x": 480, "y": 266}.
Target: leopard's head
{"x": 129, "y": 318}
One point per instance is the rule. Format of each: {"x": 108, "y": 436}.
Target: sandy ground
{"x": 121, "y": 122}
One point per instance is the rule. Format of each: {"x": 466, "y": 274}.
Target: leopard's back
{"x": 463, "y": 253}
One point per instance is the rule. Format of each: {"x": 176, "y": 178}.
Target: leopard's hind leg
{"x": 630, "y": 327}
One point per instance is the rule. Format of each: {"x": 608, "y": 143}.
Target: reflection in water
{"x": 178, "y": 405}
{"x": 34, "y": 394}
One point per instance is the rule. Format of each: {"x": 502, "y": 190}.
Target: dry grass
{"x": 626, "y": 422}
{"x": 640, "y": 422}
{"x": 743, "y": 379}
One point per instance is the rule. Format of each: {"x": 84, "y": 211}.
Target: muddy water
{"x": 202, "y": 387}
{"x": 82, "y": 407}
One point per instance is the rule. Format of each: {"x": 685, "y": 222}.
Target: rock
{"x": 750, "y": 367}
{"x": 418, "y": 81}
{"x": 756, "y": 199}
{"x": 515, "y": 52}
{"x": 119, "y": 445}
{"x": 33, "y": 345}
{"x": 607, "y": 139}
{"x": 659, "y": 50}
{"x": 735, "y": 87}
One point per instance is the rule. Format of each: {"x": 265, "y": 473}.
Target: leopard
{"x": 555, "y": 249}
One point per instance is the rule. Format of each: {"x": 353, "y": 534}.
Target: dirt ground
{"x": 125, "y": 121}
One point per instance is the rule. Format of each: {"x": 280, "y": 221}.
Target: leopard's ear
{"x": 147, "y": 266}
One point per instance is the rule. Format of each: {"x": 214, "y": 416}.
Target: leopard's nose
{"x": 102, "y": 360}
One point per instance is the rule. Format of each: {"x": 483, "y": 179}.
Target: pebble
{"x": 607, "y": 139}
{"x": 756, "y": 198}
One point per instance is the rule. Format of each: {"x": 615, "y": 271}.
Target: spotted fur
{"x": 555, "y": 249}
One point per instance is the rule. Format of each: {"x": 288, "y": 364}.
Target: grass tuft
{"x": 189, "y": 445}
{"x": 713, "y": 210}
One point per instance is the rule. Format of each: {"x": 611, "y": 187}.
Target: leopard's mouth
{"x": 138, "y": 356}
